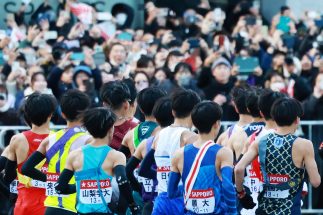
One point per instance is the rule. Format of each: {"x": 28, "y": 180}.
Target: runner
{"x": 37, "y": 110}
{"x": 56, "y": 148}
{"x": 116, "y": 96}
{"x": 162, "y": 112}
{"x": 239, "y": 96}
{"x": 94, "y": 166}
{"x": 283, "y": 158}
{"x": 4, "y": 187}
{"x": 166, "y": 143}
{"x": 240, "y": 138}
{"x": 205, "y": 167}
{"x": 146, "y": 100}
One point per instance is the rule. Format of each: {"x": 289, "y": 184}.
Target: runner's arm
{"x": 174, "y": 177}
{"x": 62, "y": 186}
{"x": 145, "y": 169}
{"x": 124, "y": 148}
{"x": 310, "y": 164}
{"x": 11, "y": 162}
{"x": 131, "y": 166}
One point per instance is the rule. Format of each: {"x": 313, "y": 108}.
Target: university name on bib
{"x": 201, "y": 201}
{"x": 52, "y": 179}
{"x": 89, "y": 192}
{"x": 274, "y": 192}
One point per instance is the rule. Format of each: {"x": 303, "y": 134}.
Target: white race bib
{"x": 13, "y": 186}
{"x": 52, "y": 179}
{"x": 252, "y": 181}
{"x": 201, "y": 201}
{"x": 38, "y": 184}
{"x": 273, "y": 192}
{"x": 148, "y": 184}
{"x": 89, "y": 192}
{"x": 277, "y": 194}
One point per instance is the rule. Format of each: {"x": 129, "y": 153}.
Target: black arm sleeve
{"x": 125, "y": 150}
{"x": 123, "y": 183}
{"x": 145, "y": 169}
{"x": 62, "y": 186}
{"x": 3, "y": 161}
{"x": 4, "y": 189}
{"x": 29, "y": 169}
{"x": 131, "y": 166}
{"x": 10, "y": 171}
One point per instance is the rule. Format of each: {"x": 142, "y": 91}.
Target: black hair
{"x": 162, "y": 111}
{"x": 141, "y": 72}
{"x": 34, "y": 75}
{"x": 252, "y": 102}
{"x": 98, "y": 121}
{"x": 74, "y": 103}
{"x": 289, "y": 61}
{"x": 205, "y": 115}
{"x": 147, "y": 98}
{"x": 283, "y": 9}
{"x": 115, "y": 93}
{"x": 180, "y": 66}
{"x": 143, "y": 61}
{"x": 132, "y": 89}
{"x": 183, "y": 102}
{"x": 171, "y": 54}
{"x": 286, "y": 110}
{"x": 239, "y": 96}
{"x": 38, "y": 107}
{"x": 266, "y": 101}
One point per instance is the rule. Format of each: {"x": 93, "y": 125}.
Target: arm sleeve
{"x": 10, "y": 172}
{"x": 172, "y": 187}
{"x": 229, "y": 193}
{"x": 131, "y": 166}
{"x": 145, "y": 169}
{"x": 125, "y": 150}
{"x": 96, "y": 73}
{"x": 29, "y": 169}
{"x": 62, "y": 186}
{"x": 123, "y": 183}
{"x": 3, "y": 161}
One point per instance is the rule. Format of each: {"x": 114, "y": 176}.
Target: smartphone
{"x": 50, "y": 35}
{"x": 251, "y": 20}
{"x": 103, "y": 16}
{"x": 3, "y": 34}
{"x": 15, "y": 66}
{"x": 125, "y": 36}
{"x": 319, "y": 22}
{"x": 77, "y": 56}
{"x": 247, "y": 65}
{"x": 194, "y": 43}
{"x": 99, "y": 58}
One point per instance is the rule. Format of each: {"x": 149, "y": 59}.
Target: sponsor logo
{"x": 92, "y": 184}
{"x": 202, "y": 194}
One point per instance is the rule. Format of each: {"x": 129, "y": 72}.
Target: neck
{"x": 43, "y": 129}
{"x": 257, "y": 119}
{"x": 183, "y": 122}
{"x": 270, "y": 124}
{"x": 100, "y": 142}
{"x": 150, "y": 118}
{"x": 284, "y": 130}
{"x": 121, "y": 117}
{"x": 202, "y": 138}
{"x": 244, "y": 119}
{"x": 74, "y": 123}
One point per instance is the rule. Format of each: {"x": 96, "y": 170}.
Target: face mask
{"x": 140, "y": 85}
{"x": 121, "y": 19}
{"x": 184, "y": 80}
{"x": 278, "y": 86}
{"x": 40, "y": 86}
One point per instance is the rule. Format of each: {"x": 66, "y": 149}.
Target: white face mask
{"x": 121, "y": 18}
{"x": 278, "y": 86}
{"x": 40, "y": 86}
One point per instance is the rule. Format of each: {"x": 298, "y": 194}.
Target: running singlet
{"x": 168, "y": 142}
{"x": 253, "y": 127}
{"x": 205, "y": 197}
{"x": 31, "y": 192}
{"x": 119, "y": 133}
{"x": 143, "y": 131}
{"x": 283, "y": 181}
{"x": 92, "y": 198}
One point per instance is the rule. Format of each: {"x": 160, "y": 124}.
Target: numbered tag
{"x": 252, "y": 181}
{"x": 148, "y": 184}
{"x": 276, "y": 194}
{"x": 201, "y": 201}
{"x": 14, "y": 186}
{"x": 89, "y": 192}
{"x": 38, "y": 184}
{"x": 163, "y": 174}
{"x": 52, "y": 179}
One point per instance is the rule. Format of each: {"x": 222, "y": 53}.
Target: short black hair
{"x": 132, "y": 89}
{"x": 38, "y": 107}
{"x": 144, "y": 60}
{"x": 162, "y": 111}
{"x": 183, "y": 102}
{"x": 252, "y": 102}
{"x": 266, "y": 101}
{"x": 115, "y": 93}
{"x": 284, "y": 8}
{"x": 239, "y": 96}
{"x": 98, "y": 121}
{"x": 286, "y": 110}
{"x": 74, "y": 103}
{"x": 205, "y": 114}
{"x": 147, "y": 98}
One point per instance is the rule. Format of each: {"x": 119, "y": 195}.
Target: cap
{"x": 82, "y": 68}
{"x": 220, "y": 61}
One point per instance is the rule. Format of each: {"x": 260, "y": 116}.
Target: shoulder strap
{"x": 192, "y": 175}
{"x": 61, "y": 142}
{"x": 230, "y": 130}
{"x": 149, "y": 143}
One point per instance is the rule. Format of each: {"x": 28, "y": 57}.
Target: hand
{"x": 32, "y": 33}
{"x": 318, "y": 92}
{"x": 258, "y": 71}
{"x": 247, "y": 202}
{"x": 65, "y": 61}
{"x": 220, "y": 99}
{"x": 135, "y": 209}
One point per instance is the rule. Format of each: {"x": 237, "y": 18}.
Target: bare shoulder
{"x": 188, "y": 137}
{"x": 75, "y": 153}
{"x": 116, "y": 156}
{"x": 178, "y": 155}
{"x": 225, "y": 152}
{"x": 303, "y": 144}
{"x": 18, "y": 141}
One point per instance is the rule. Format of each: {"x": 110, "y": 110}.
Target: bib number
{"x": 89, "y": 192}
{"x": 13, "y": 186}
{"x": 52, "y": 179}
{"x": 148, "y": 184}
{"x": 276, "y": 194}
{"x": 201, "y": 201}
{"x": 252, "y": 182}
{"x": 38, "y": 184}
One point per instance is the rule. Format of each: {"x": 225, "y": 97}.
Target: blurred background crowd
{"x": 206, "y": 46}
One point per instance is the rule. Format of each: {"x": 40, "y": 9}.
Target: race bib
{"x": 148, "y": 184}
{"x": 252, "y": 181}
{"x": 13, "y": 186}
{"x": 38, "y": 184}
{"x": 52, "y": 179}
{"x": 201, "y": 201}
{"x": 276, "y": 194}
{"x": 163, "y": 169}
{"x": 89, "y": 192}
